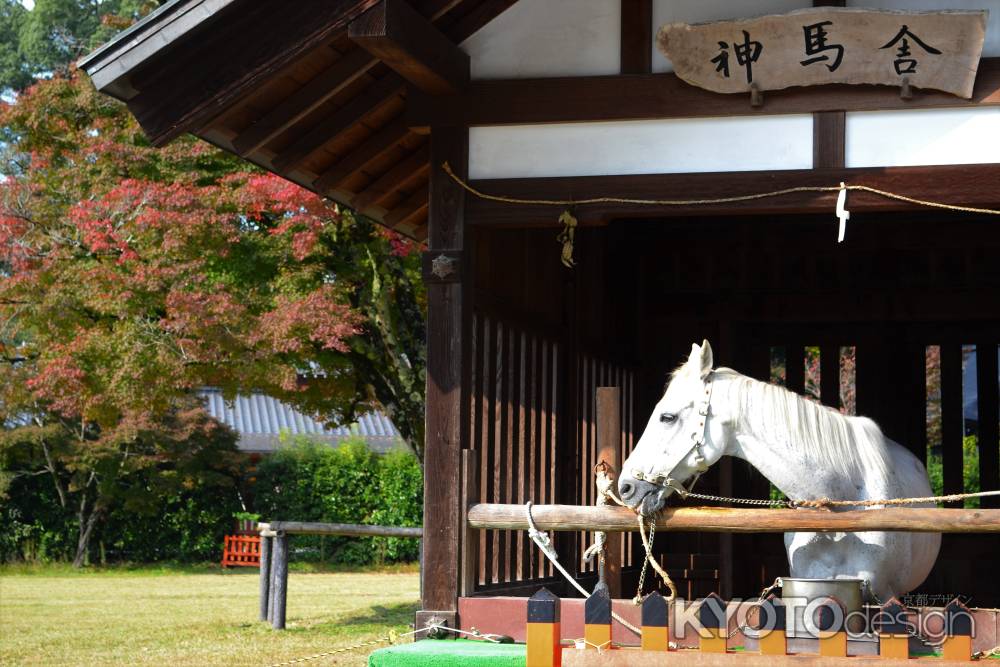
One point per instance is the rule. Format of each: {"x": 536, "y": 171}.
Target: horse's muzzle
{"x": 644, "y": 496}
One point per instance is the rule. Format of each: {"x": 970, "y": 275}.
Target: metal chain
{"x": 742, "y": 501}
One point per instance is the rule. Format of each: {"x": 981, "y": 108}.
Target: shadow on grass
{"x": 397, "y": 614}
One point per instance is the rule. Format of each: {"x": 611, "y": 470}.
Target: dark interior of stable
{"x": 542, "y": 337}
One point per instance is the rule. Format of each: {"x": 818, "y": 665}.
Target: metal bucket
{"x": 849, "y": 592}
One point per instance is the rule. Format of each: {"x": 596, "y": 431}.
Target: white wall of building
{"x": 923, "y": 137}
{"x": 546, "y": 38}
{"x": 641, "y": 147}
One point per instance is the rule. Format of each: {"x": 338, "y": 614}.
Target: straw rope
{"x": 714, "y": 200}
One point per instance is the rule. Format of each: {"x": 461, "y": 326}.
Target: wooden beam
{"x": 374, "y": 147}
{"x": 952, "y": 419}
{"x": 204, "y": 75}
{"x": 321, "y": 88}
{"x": 970, "y": 185}
{"x": 653, "y": 96}
{"x": 400, "y": 37}
{"x": 352, "y": 66}
{"x": 373, "y": 98}
{"x": 988, "y": 396}
{"x": 609, "y": 451}
{"x": 402, "y": 174}
{"x": 829, "y": 139}
{"x": 350, "y": 529}
{"x": 637, "y": 36}
{"x": 729, "y": 520}
{"x": 481, "y": 13}
{"x": 447, "y": 404}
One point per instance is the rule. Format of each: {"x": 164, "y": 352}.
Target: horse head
{"x": 681, "y": 439}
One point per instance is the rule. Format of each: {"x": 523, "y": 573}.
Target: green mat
{"x": 449, "y": 653}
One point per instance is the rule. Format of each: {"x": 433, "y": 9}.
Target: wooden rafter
{"x": 400, "y": 176}
{"x": 412, "y": 209}
{"x": 401, "y": 38}
{"x": 374, "y": 147}
{"x": 186, "y": 92}
{"x": 352, "y": 66}
{"x": 373, "y": 98}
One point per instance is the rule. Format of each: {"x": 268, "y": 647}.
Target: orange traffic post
{"x": 543, "y": 648}
{"x": 832, "y": 626}
{"x": 597, "y": 618}
{"x": 893, "y": 639}
{"x": 958, "y": 632}
{"x": 771, "y": 626}
{"x": 715, "y": 632}
{"x": 655, "y": 633}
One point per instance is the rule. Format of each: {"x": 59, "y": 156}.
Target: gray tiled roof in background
{"x": 260, "y": 420}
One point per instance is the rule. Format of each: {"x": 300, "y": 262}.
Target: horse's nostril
{"x": 626, "y": 489}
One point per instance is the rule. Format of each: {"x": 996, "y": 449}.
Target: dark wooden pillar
{"x": 446, "y": 405}
{"x": 989, "y": 406}
{"x": 609, "y": 450}
{"x": 952, "y": 422}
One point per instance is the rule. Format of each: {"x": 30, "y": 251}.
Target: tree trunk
{"x": 86, "y": 523}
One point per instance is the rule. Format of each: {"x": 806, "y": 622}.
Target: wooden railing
{"x": 274, "y": 557}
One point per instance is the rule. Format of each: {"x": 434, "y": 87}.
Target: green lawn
{"x": 193, "y": 616}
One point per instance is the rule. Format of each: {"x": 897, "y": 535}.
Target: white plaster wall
{"x": 923, "y": 137}
{"x": 696, "y": 11}
{"x": 546, "y": 38}
{"x": 641, "y": 147}
{"x": 991, "y": 47}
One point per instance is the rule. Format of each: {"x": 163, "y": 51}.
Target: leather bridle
{"x": 699, "y": 434}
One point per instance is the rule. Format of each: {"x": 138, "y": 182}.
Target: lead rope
{"x": 608, "y": 496}
{"x": 542, "y": 540}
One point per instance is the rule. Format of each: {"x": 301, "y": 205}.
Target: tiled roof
{"x": 261, "y": 420}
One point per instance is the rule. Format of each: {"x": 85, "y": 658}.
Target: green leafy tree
{"x": 46, "y": 39}
{"x": 134, "y": 275}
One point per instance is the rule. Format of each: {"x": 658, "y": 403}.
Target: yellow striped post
{"x": 543, "y": 648}
{"x": 597, "y": 618}
{"x": 655, "y": 631}
{"x": 771, "y": 626}
{"x": 712, "y": 616}
{"x": 893, "y": 640}
{"x": 958, "y": 632}
{"x": 830, "y": 621}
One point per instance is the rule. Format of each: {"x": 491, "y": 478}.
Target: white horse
{"x": 805, "y": 449}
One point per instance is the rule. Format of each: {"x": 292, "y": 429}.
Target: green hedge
{"x": 305, "y": 481}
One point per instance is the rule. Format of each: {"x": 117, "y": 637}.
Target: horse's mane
{"x": 853, "y": 446}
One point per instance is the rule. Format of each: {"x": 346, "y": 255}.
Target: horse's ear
{"x": 706, "y": 362}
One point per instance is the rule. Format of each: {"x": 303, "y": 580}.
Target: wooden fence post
{"x": 597, "y": 619}
{"x": 712, "y": 616}
{"x": 893, "y": 640}
{"x": 470, "y": 535}
{"x": 279, "y": 580}
{"x": 958, "y": 632}
{"x": 832, "y": 630}
{"x": 772, "y": 620}
{"x": 609, "y": 450}
{"x": 655, "y": 634}
{"x": 543, "y": 632}
{"x": 265, "y": 577}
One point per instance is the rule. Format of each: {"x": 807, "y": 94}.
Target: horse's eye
{"x": 668, "y": 418}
